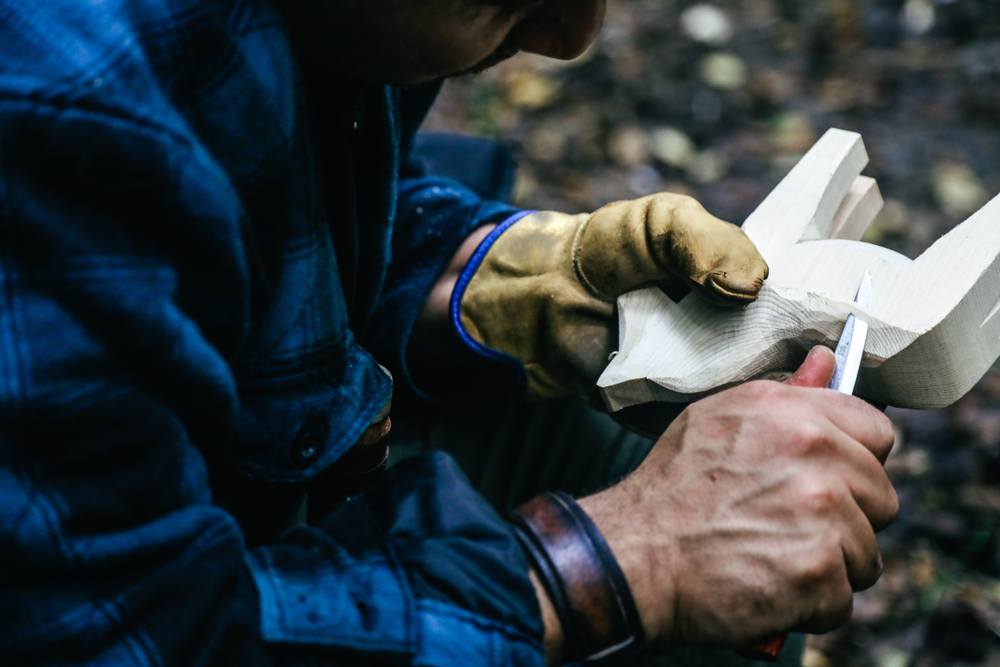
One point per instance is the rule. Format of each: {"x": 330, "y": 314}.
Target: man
{"x": 207, "y": 243}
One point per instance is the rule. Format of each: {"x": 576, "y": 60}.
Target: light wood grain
{"x": 934, "y": 322}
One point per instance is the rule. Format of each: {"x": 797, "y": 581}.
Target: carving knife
{"x": 851, "y": 345}
{"x": 850, "y": 349}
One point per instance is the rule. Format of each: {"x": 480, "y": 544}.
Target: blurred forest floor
{"x": 719, "y": 100}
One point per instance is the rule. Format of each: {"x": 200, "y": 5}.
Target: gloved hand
{"x": 543, "y": 290}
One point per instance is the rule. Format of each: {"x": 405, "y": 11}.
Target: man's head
{"x": 412, "y": 41}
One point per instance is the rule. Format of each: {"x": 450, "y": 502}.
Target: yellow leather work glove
{"x": 543, "y": 289}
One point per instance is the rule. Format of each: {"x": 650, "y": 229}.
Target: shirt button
{"x": 308, "y": 443}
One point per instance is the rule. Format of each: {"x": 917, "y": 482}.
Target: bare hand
{"x": 755, "y": 512}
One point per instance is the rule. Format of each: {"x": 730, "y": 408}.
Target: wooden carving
{"x": 934, "y": 327}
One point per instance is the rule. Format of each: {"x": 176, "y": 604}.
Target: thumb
{"x": 816, "y": 370}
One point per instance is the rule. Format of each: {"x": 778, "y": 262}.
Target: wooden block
{"x": 934, "y": 323}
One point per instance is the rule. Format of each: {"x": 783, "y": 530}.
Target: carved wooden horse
{"x": 934, "y": 327}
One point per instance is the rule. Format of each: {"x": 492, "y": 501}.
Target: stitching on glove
{"x": 589, "y": 286}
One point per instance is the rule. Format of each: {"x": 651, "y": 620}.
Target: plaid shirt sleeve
{"x": 128, "y": 287}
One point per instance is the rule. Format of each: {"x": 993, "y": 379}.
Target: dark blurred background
{"x": 719, "y": 100}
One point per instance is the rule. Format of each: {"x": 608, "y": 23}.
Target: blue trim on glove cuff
{"x": 463, "y": 282}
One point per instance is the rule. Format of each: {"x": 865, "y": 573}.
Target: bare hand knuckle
{"x": 805, "y": 436}
{"x": 893, "y": 502}
{"x": 887, "y": 434}
{"x": 890, "y": 510}
{"x": 843, "y": 614}
{"x": 834, "y": 610}
{"x": 872, "y": 573}
{"x": 815, "y": 494}
{"x": 766, "y": 393}
{"x": 819, "y": 568}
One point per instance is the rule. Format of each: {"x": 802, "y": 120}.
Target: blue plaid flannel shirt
{"x": 190, "y": 279}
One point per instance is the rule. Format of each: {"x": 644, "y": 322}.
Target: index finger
{"x": 856, "y": 418}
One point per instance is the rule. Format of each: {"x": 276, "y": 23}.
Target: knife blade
{"x": 851, "y": 346}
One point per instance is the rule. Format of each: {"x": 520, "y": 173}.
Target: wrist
{"x": 470, "y": 339}
{"x": 597, "y": 618}
{"x": 552, "y": 641}
{"x": 641, "y": 554}
{"x": 438, "y": 357}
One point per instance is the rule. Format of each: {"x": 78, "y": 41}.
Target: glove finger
{"x": 737, "y": 285}
{"x": 729, "y": 284}
{"x": 654, "y": 239}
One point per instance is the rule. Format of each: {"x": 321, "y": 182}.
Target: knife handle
{"x": 766, "y": 650}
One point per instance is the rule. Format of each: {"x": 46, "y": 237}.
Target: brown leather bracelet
{"x": 600, "y": 621}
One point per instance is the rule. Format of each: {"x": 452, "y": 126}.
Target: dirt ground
{"x": 719, "y": 100}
